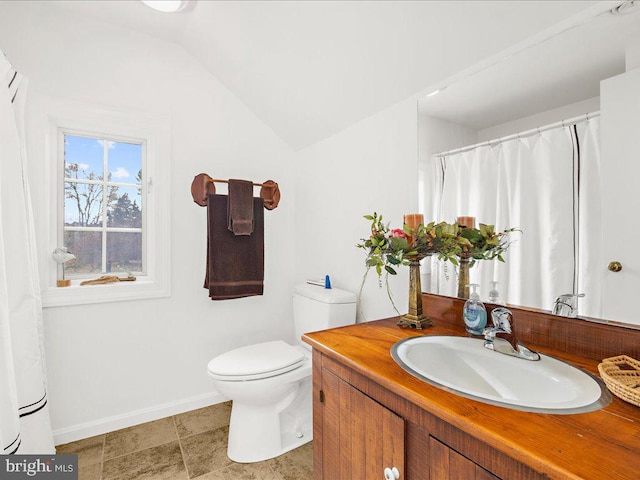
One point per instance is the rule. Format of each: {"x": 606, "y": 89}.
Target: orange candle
{"x": 412, "y": 220}
{"x": 469, "y": 222}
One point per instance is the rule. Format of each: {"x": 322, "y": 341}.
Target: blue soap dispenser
{"x": 474, "y": 313}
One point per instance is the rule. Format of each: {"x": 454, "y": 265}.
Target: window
{"x": 108, "y": 202}
{"x": 103, "y": 205}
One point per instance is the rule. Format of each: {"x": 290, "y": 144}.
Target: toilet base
{"x": 262, "y": 432}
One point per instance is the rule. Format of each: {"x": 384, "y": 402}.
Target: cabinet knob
{"x": 391, "y": 473}
{"x": 614, "y": 266}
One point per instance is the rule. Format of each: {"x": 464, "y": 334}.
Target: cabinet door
{"x": 360, "y": 437}
{"x": 620, "y": 149}
{"x": 447, "y": 464}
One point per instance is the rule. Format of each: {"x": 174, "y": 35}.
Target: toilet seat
{"x": 262, "y": 360}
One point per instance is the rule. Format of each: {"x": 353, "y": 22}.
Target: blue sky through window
{"x": 87, "y": 153}
{"x": 124, "y": 159}
{"x": 125, "y": 162}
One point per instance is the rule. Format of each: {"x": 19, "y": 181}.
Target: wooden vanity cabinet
{"x": 447, "y": 464}
{"x": 363, "y": 432}
{"x": 362, "y": 437}
{"x": 370, "y": 415}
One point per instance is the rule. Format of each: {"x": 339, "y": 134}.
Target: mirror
{"x": 544, "y": 82}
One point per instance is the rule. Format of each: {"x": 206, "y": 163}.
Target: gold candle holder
{"x": 415, "y": 318}
{"x": 463, "y": 269}
{"x": 463, "y": 277}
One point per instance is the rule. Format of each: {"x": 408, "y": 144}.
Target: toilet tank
{"x": 318, "y": 308}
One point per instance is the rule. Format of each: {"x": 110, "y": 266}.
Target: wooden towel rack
{"x": 267, "y": 185}
{"x": 203, "y": 185}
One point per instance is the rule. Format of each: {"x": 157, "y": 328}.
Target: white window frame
{"x": 104, "y": 228}
{"x": 155, "y": 131}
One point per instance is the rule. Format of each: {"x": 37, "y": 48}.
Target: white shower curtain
{"x": 25, "y": 427}
{"x": 532, "y": 183}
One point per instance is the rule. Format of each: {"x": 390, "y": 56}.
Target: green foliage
{"x": 125, "y": 213}
{"x": 482, "y": 243}
{"x": 388, "y": 248}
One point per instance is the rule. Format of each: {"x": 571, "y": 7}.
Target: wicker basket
{"x": 621, "y": 374}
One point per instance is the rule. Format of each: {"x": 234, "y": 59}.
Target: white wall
{"x": 370, "y": 166}
{"x": 632, "y": 53}
{"x": 114, "y": 364}
{"x": 436, "y": 136}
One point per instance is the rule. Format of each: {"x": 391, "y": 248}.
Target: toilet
{"x": 270, "y": 383}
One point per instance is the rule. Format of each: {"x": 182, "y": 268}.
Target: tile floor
{"x": 182, "y": 447}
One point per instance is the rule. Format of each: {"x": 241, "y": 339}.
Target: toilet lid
{"x": 256, "y": 361}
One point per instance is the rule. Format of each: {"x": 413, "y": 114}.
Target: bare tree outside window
{"x": 88, "y": 200}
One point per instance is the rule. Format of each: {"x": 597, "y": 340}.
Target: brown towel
{"x": 235, "y": 264}
{"x": 240, "y": 208}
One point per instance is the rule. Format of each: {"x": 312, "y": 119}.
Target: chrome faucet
{"x": 502, "y": 338}
{"x": 567, "y": 305}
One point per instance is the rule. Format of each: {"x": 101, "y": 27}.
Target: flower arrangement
{"x": 479, "y": 243}
{"x": 389, "y": 248}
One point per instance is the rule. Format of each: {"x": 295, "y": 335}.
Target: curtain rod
{"x": 527, "y": 133}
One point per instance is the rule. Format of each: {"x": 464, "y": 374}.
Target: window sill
{"x": 141, "y": 289}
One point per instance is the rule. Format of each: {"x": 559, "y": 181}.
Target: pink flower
{"x": 398, "y": 233}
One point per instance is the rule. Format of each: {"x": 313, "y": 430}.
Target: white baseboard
{"x": 116, "y": 422}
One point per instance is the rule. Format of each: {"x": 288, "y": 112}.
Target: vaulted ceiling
{"x": 309, "y": 69}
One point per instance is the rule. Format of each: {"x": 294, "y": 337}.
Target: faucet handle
{"x": 502, "y": 319}
{"x": 566, "y": 305}
{"x": 503, "y": 328}
{"x": 569, "y": 297}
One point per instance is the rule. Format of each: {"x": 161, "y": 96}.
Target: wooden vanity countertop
{"x": 599, "y": 445}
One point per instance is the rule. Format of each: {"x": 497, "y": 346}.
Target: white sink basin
{"x": 463, "y": 366}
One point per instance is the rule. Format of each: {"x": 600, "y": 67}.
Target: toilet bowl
{"x": 270, "y": 383}
{"x": 270, "y": 408}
